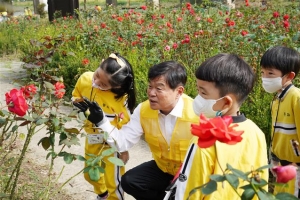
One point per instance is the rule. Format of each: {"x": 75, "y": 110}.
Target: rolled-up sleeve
{"x": 130, "y": 134}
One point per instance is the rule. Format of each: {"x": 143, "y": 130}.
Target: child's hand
{"x": 92, "y": 110}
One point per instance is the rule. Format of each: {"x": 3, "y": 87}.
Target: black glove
{"x": 95, "y": 114}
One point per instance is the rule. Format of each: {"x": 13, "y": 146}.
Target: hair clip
{"x": 119, "y": 61}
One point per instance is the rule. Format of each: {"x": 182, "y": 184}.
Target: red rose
{"x": 286, "y": 17}
{"x": 188, "y": 6}
{"x": 244, "y": 33}
{"x": 143, "y": 7}
{"x": 231, "y": 23}
{"x": 175, "y": 46}
{"x": 29, "y": 91}
{"x": 275, "y": 14}
{"x": 16, "y": 102}
{"x": 103, "y": 25}
{"x": 59, "y": 93}
{"x": 286, "y": 24}
{"x": 59, "y": 85}
{"x": 85, "y": 61}
{"x": 120, "y": 19}
{"x": 169, "y": 25}
{"x": 209, "y": 20}
{"x": 210, "y": 130}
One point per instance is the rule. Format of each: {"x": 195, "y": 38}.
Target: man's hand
{"x": 92, "y": 110}
{"x": 124, "y": 156}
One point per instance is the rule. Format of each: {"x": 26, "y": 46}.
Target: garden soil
{"x": 77, "y": 188}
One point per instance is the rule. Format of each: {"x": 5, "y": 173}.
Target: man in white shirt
{"x": 164, "y": 119}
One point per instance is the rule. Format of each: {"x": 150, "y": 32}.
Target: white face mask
{"x": 272, "y": 85}
{"x": 94, "y": 85}
{"x": 205, "y": 106}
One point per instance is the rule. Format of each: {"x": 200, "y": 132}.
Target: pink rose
{"x": 285, "y": 174}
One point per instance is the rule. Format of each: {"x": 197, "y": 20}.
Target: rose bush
{"x": 38, "y": 107}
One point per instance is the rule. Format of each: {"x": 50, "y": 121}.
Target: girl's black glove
{"x": 91, "y": 110}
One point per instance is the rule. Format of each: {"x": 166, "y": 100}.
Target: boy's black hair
{"x": 230, "y": 73}
{"x": 174, "y": 73}
{"x": 121, "y": 79}
{"x": 283, "y": 58}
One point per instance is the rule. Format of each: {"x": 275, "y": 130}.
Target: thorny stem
{"x": 17, "y": 168}
{"x": 224, "y": 174}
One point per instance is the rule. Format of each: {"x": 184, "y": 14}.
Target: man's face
{"x": 161, "y": 96}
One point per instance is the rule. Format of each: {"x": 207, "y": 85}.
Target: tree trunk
{"x": 84, "y": 4}
{"x": 111, "y": 2}
{"x": 155, "y": 4}
{"x": 35, "y": 5}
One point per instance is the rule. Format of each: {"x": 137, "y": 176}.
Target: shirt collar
{"x": 178, "y": 109}
{"x": 283, "y": 93}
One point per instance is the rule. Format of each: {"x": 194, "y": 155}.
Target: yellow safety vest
{"x": 168, "y": 157}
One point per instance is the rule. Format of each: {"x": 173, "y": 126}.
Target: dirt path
{"x": 78, "y": 188}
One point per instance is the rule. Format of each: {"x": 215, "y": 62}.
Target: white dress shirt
{"x": 131, "y": 133}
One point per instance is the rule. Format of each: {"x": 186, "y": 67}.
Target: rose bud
{"x": 285, "y": 174}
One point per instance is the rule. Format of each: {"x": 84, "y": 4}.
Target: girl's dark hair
{"x": 121, "y": 79}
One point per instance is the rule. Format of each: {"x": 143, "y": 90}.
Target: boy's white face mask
{"x": 205, "y": 106}
{"x": 272, "y": 85}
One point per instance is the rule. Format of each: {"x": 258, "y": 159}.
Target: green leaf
{"x": 259, "y": 183}
{"x": 53, "y": 154}
{"x": 28, "y": 118}
{"x": 79, "y": 157}
{"x": 209, "y": 188}
{"x": 42, "y": 121}
{"x": 49, "y": 85}
{"x": 217, "y": 177}
{"x": 295, "y": 38}
{"x": 73, "y": 114}
{"x": 14, "y": 128}
{"x": 45, "y": 142}
{"x": 264, "y": 195}
{"x": 62, "y": 137}
{"x": 107, "y": 152}
{"x": 248, "y": 194}
{"x": 87, "y": 169}
{"x": 72, "y": 130}
{"x": 96, "y": 161}
{"x": 81, "y": 116}
{"x": 101, "y": 169}
{"x": 3, "y": 195}
{"x": 94, "y": 174}
{"x": 91, "y": 155}
{"x": 68, "y": 158}
{"x": 116, "y": 161}
{"x": 55, "y": 121}
{"x": 239, "y": 174}
{"x": 233, "y": 180}
{"x": 285, "y": 196}
{"x": 264, "y": 167}
{"x": 70, "y": 141}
